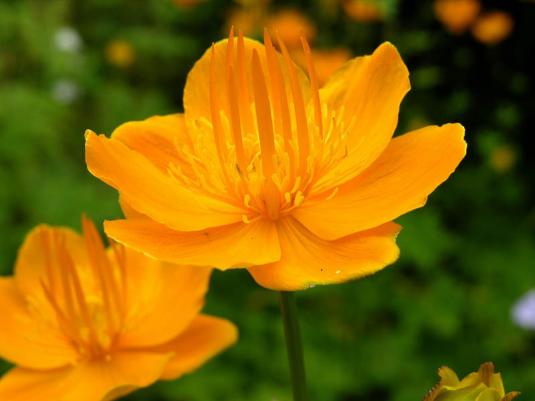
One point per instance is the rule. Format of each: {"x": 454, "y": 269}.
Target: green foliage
{"x": 465, "y": 258}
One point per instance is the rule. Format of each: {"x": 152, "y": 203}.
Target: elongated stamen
{"x": 266, "y": 136}
{"x": 235, "y": 121}
{"x": 263, "y": 115}
{"x": 244, "y": 95}
{"x": 314, "y": 84}
{"x": 280, "y": 99}
{"x": 299, "y": 108}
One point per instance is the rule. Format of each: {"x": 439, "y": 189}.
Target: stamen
{"x": 265, "y": 133}
{"x": 244, "y": 95}
{"x": 314, "y": 85}
{"x": 280, "y": 104}
{"x": 263, "y": 115}
{"x": 235, "y": 121}
{"x": 299, "y": 108}
{"x": 95, "y": 255}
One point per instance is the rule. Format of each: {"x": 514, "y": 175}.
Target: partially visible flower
{"x": 290, "y": 25}
{"x": 523, "y": 312}
{"x": 267, "y": 171}
{"x": 493, "y": 27}
{"x": 85, "y": 323}
{"x": 457, "y": 15}
{"x": 120, "y": 53}
{"x": 483, "y": 385}
{"x": 67, "y": 39}
{"x": 503, "y": 158}
{"x": 65, "y": 91}
{"x": 326, "y": 61}
{"x": 364, "y": 10}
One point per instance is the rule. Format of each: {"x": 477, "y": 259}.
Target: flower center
{"x": 267, "y": 139}
{"x": 88, "y": 303}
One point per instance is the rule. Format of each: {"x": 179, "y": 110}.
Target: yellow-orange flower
{"x": 457, "y": 15}
{"x": 493, "y": 27}
{"x": 120, "y": 53}
{"x": 483, "y": 385}
{"x": 265, "y": 170}
{"x": 364, "y": 10}
{"x": 83, "y": 323}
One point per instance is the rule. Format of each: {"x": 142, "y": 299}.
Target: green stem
{"x": 293, "y": 345}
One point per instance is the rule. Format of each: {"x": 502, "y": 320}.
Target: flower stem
{"x": 293, "y": 345}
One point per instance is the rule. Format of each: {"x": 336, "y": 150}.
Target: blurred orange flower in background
{"x": 85, "y": 323}
{"x": 120, "y": 53}
{"x": 265, "y": 170}
{"x": 457, "y": 15}
{"x": 492, "y": 27}
{"x": 291, "y": 24}
{"x": 326, "y": 61}
{"x": 363, "y": 10}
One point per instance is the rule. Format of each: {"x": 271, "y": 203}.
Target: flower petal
{"x": 157, "y": 138}
{"x": 162, "y": 299}
{"x": 147, "y": 189}
{"x": 197, "y": 89}
{"x": 365, "y": 94}
{"x": 206, "y": 337}
{"x": 308, "y": 260}
{"x": 234, "y": 245}
{"x": 26, "y": 337}
{"x": 410, "y": 169}
{"x": 103, "y": 380}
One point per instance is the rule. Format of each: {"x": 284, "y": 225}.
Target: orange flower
{"x": 493, "y": 27}
{"x": 120, "y": 53}
{"x": 266, "y": 171}
{"x": 363, "y": 10}
{"x": 325, "y": 61}
{"x": 83, "y": 323}
{"x": 291, "y": 25}
{"x": 457, "y": 15}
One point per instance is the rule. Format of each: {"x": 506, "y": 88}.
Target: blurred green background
{"x": 466, "y": 257}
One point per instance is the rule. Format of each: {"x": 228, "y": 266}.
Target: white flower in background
{"x": 65, "y": 91}
{"x": 523, "y": 312}
{"x": 68, "y": 39}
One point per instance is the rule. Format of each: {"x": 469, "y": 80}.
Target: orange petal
{"x": 234, "y": 245}
{"x": 148, "y": 190}
{"x": 196, "y": 91}
{"x": 156, "y": 138}
{"x": 308, "y": 260}
{"x": 410, "y": 169}
{"x": 103, "y": 380}
{"x": 162, "y": 299}
{"x": 28, "y": 338}
{"x": 206, "y": 337}
{"x": 366, "y": 94}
